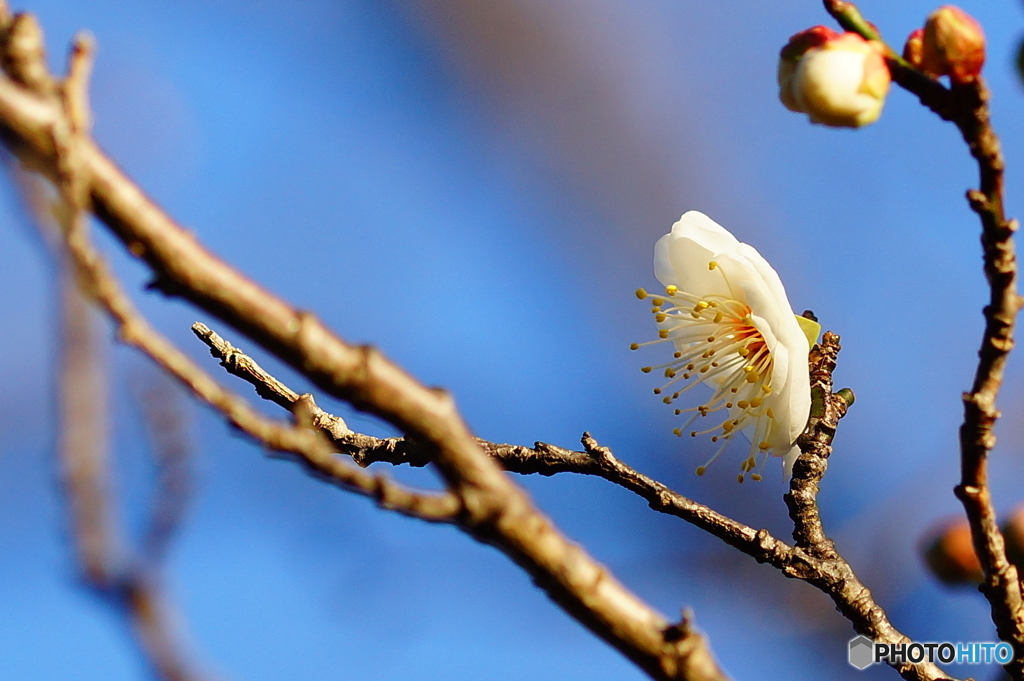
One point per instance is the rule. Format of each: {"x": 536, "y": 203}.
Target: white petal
{"x": 681, "y": 257}
{"x": 788, "y": 459}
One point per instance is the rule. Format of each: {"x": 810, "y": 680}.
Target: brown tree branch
{"x": 105, "y": 562}
{"x": 490, "y": 507}
{"x": 165, "y": 419}
{"x": 812, "y": 559}
{"x": 311, "y": 449}
{"x": 966, "y": 106}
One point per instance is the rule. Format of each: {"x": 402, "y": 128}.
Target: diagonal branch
{"x": 485, "y": 503}
{"x": 813, "y": 558}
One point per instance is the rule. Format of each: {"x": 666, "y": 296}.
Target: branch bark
{"x": 966, "y": 106}
{"x": 812, "y": 559}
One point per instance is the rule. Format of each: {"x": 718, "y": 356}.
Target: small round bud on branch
{"x": 953, "y": 45}
{"x": 1013, "y": 534}
{"x": 839, "y": 80}
{"x": 914, "y": 47}
{"x": 949, "y": 554}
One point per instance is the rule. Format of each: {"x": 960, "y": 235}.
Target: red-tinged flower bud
{"x": 950, "y": 555}
{"x": 914, "y": 47}
{"x": 790, "y": 56}
{"x": 953, "y": 45}
{"x": 838, "y": 80}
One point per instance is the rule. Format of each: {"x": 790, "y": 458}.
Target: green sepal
{"x": 810, "y": 328}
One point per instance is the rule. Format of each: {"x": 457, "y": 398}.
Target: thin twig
{"x": 83, "y": 440}
{"x": 812, "y": 559}
{"x": 165, "y": 418}
{"x": 106, "y": 569}
{"x": 966, "y": 106}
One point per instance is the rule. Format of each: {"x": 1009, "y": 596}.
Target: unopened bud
{"x": 1013, "y": 534}
{"x": 914, "y": 46}
{"x": 950, "y": 554}
{"x": 838, "y": 80}
{"x": 953, "y": 45}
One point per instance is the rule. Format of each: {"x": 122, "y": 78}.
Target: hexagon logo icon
{"x": 861, "y": 652}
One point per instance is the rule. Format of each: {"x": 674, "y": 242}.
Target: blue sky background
{"x": 476, "y": 188}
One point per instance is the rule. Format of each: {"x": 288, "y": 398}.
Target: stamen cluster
{"x": 732, "y": 328}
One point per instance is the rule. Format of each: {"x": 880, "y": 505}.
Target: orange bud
{"x": 950, "y": 554}
{"x": 953, "y": 45}
{"x": 1013, "y": 533}
{"x": 913, "y": 47}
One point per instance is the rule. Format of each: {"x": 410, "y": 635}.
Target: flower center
{"x": 715, "y": 342}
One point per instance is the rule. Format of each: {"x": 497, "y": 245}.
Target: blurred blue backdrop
{"x": 476, "y": 188}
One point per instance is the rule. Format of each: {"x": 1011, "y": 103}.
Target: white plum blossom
{"x": 837, "y": 79}
{"x": 727, "y": 315}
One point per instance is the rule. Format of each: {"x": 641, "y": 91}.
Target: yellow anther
{"x": 655, "y": 310}
{"x": 755, "y": 477}
{"x": 743, "y": 404}
{"x": 701, "y": 470}
{"x": 714, "y": 364}
{"x": 703, "y": 410}
{"x": 671, "y": 289}
{"x": 752, "y": 377}
{"x": 718, "y": 317}
{"x": 634, "y": 346}
{"x": 766, "y": 389}
{"x": 670, "y": 373}
{"x": 739, "y": 478}
{"x": 641, "y": 294}
{"x": 677, "y": 432}
{"x": 657, "y": 391}
{"x": 770, "y": 413}
{"x": 701, "y": 306}
{"x": 695, "y": 315}
{"x": 711, "y": 339}
{"x": 686, "y": 376}
{"x": 712, "y": 265}
{"x": 662, "y": 333}
{"x": 646, "y": 370}
{"x": 705, "y": 354}
{"x": 660, "y": 317}
{"x": 727, "y": 427}
{"x": 657, "y": 301}
{"x": 756, "y": 402}
{"x": 743, "y": 352}
{"x": 704, "y": 369}
{"x": 667, "y": 399}
{"x": 675, "y": 396}
{"x": 690, "y": 367}
{"x": 764, "y": 446}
